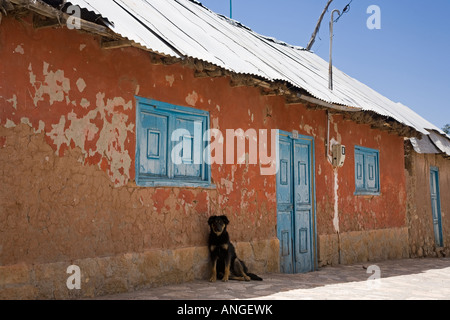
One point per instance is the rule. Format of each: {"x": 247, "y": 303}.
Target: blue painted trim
{"x": 366, "y": 190}
{"x": 151, "y": 106}
{"x": 155, "y": 105}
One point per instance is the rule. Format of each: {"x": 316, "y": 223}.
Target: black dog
{"x": 225, "y": 263}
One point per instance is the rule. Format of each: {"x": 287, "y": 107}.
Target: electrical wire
{"x": 345, "y": 10}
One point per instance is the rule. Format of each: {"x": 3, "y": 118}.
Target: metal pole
{"x": 231, "y": 9}
{"x": 330, "y": 69}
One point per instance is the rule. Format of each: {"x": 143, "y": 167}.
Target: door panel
{"x": 284, "y": 181}
{"x": 303, "y": 253}
{"x": 303, "y": 207}
{"x": 285, "y": 236}
{"x": 285, "y": 207}
{"x": 302, "y": 176}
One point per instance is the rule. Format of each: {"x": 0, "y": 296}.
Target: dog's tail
{"x": 254, "y": 277}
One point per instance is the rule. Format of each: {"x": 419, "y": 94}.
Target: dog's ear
{"x": 211, "y": 219}
{"x": 225, "y": 219}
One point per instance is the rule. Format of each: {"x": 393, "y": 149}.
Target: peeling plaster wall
{"x": 67, "y": 152}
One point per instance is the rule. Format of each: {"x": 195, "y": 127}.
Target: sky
{"x": 407, "y": 60}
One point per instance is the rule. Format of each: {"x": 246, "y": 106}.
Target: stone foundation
{"x": 126, "y": 272}
{"x": 363, "y": 246}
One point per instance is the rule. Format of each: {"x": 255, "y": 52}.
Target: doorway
{"x": 296, "y": 222}
{"x": 436, "y": 206}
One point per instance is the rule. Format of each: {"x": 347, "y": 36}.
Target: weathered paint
{"x": 67, "y": 131}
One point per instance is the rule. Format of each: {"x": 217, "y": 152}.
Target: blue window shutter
{"x": 371, "y": 170}
{"x": 359, "y": 171}
{"x": 153, "y": 144}
{"x": 170, "y": 146}
{"x": 367, "y": 172}
{"x": 190, "y": 140}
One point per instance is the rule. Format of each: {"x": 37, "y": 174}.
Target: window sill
{"x": 177, "y": 183}
{"x": 367, "y": 193}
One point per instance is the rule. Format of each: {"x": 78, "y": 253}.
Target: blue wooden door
{"x": 295, "y": 205}
{"x": 303, "y": 207}
{"x": 436, "y": 206}
{"x": 285, "y": 205}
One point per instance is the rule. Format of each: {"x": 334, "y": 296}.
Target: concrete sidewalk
{"x": 395, "y": 279}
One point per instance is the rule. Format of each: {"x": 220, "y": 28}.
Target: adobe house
{"x": 121, "y": 133}
{"x": 428, "y": 186}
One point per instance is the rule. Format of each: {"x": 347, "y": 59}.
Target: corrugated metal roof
{"x": 442, "y": 143}
{"x": 424, "y": 145}
{"x": 185, "y": 28}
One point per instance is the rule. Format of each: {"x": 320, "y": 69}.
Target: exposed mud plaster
{"x": 192, "y": 98}
{"x": 9, "y": 124}
{"x": 54, "y": 84}
{"x": 336, "y": 202}
{"x": 41, "y": 127}
{"x": 81, "y": 85}
{"x": 111, "y": 135}
{"x": 26, "y": 121}
{"x": 19, "y": 49}
{"x": 308, "y": 129}
{"x": 85, "y": 103}
{"x": 106, "y": 127}
{"x": 338, "y": 136}
{"x": 227, "y": 184}
{"x": 170, "y": 79}
{"x": 215, "y": 123}
{"x": 57, "y": 134}
{"x": 111, "y": 142}
{"x": 81, "y": 129}
{"x": 13, "y": 101}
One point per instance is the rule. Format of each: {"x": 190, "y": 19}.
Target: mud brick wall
{"x": 420, "y": 223}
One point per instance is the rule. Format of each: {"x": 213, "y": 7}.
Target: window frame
{"x": 366, "y": 153}
{"x": 172, "y": 113}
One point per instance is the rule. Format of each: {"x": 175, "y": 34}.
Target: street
{"x": 424, "y": 279}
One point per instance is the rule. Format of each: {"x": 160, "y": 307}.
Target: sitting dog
{"x": 225, "y": 263}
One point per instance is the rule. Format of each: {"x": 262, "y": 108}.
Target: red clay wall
{"x": 67, "y": 149}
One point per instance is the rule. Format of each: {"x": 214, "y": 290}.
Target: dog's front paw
{"x": 213, "y": 278}
{"x": 226, "y": 275}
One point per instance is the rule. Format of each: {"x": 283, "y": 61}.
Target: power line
{"x": 345, "y": 10}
